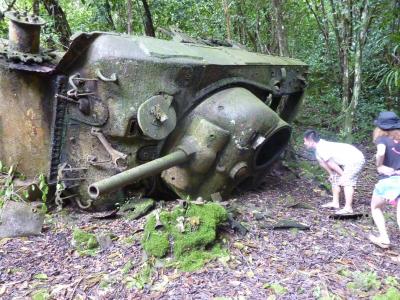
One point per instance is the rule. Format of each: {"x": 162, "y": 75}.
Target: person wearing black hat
{"x": 386, "y": 136}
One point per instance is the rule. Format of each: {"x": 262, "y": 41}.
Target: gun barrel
{"x": 142, "y": 171}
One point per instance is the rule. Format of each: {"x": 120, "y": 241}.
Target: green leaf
{"x": 40, "y": 276}
{"x": 276, "y": 288}
{"x": 41, "y": 295}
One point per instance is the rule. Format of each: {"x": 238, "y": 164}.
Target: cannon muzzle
{"x": 127, "y": 177}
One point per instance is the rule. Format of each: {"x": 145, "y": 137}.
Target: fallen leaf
{"x": 58, "y": 288}
{"x": 3, "y": 289}
{"x": 238, "y": 245}
{"x": 4, "y": 241}
{"x": 250, "y": 274}
{"x": 41, "y": 276}
{"x": 395, "y": 258}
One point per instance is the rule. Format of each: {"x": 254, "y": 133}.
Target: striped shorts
{"x": 349, "y": 176}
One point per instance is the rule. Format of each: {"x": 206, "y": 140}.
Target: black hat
{"x": 387, "y": 120}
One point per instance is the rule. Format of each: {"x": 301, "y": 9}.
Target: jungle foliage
{"x": 352, "y": 47}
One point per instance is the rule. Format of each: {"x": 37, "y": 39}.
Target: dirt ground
{"x": 332, "y": 260}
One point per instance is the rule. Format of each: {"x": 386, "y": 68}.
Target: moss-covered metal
{"x": 144, "y": 98}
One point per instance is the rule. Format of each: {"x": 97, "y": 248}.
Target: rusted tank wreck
{"x": 120, "y": 115}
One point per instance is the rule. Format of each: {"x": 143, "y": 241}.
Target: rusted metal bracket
{"x": 62, "y": 185}
{"x": 112, "y": 78}
{"x": 117, "y": 158}
{"x": 74, "y": 91}
{"x": 63, "y": 168}
{"x": 84, "y": 103}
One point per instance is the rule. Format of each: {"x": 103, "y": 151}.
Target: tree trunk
{"x": 339, "y": 37}
{"x": 129, "y": 16}
{"x": 148, "y": 21}
{"x": 322, "y": 24}
{"x": 341, "y": 30}
{"x": 360, "y": 43}
{"x": 109, "y": 18}
{"x": 60, "y": 20}
{"x": 35, "y": 7}
{"x": 271, "y": 43}
{"x": 280, "y": 29}
{"x": 263, "y": 48}
{"x": 241, "y": 22}
{"x": 227, "y": 19}
{"x": 345, "y": 77}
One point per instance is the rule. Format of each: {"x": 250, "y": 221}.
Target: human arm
{"x": 388, "y": 171}
{"x": 380, "y": 154}
{"x": 325, "y": 166}
{"x": 335, "y": 167}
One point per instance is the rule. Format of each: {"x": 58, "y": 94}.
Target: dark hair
{"x": 311, "y": 134}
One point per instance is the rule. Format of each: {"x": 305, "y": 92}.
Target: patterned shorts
{"x": 350, "y": 175}
{"x": 388, "y": 188}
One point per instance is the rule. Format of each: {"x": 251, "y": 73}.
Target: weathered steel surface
{"x": 24, "y": 32}
{"x": 117, "y": 103}
{"x": 238, "y": 137}
{"x": 143, "y": 171}
{"x": 25, "y": 115}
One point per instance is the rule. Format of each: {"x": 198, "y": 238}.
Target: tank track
{"x": 57, "y": 129}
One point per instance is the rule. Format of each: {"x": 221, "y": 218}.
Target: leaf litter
{"x": 332, "y": 260}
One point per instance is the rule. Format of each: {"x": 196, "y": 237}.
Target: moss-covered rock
{"x": 196, "y": 244}
{"x": 157, "y": 244}
{"x": 196, "y": 259}
{"x": 84, "y": 242}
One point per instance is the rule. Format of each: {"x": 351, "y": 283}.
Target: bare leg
{"x": 398, "y": 212}
{"x": 335, "y": 200}
{"x": 377, "y": 204}
{"x": 348, "y": 195}
{"x": 336, "y": 195}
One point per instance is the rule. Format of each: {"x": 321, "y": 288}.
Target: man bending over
{"x": 343, "y": 162}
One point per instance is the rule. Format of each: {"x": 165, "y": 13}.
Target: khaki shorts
{"x": 350, "y": 175}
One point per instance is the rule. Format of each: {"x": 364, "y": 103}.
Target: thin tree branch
{"x": 317, "y": 18}
{"x": 335, "y": 22}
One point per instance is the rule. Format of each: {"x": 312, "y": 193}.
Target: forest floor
{"x": 332, "y": 260}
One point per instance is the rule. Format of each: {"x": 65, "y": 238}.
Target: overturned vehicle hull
{"x": 118, "y": 116}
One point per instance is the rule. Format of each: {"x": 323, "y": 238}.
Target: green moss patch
{"x": 391, "y": 294}
{"x": 84, "y": 242}
{"x": 141, "y": 278}
{"x": 136, "y": 209}
{"x": 188, "y": 234}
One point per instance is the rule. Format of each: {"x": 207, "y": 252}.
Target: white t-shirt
{"x": 341, "y": 153}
